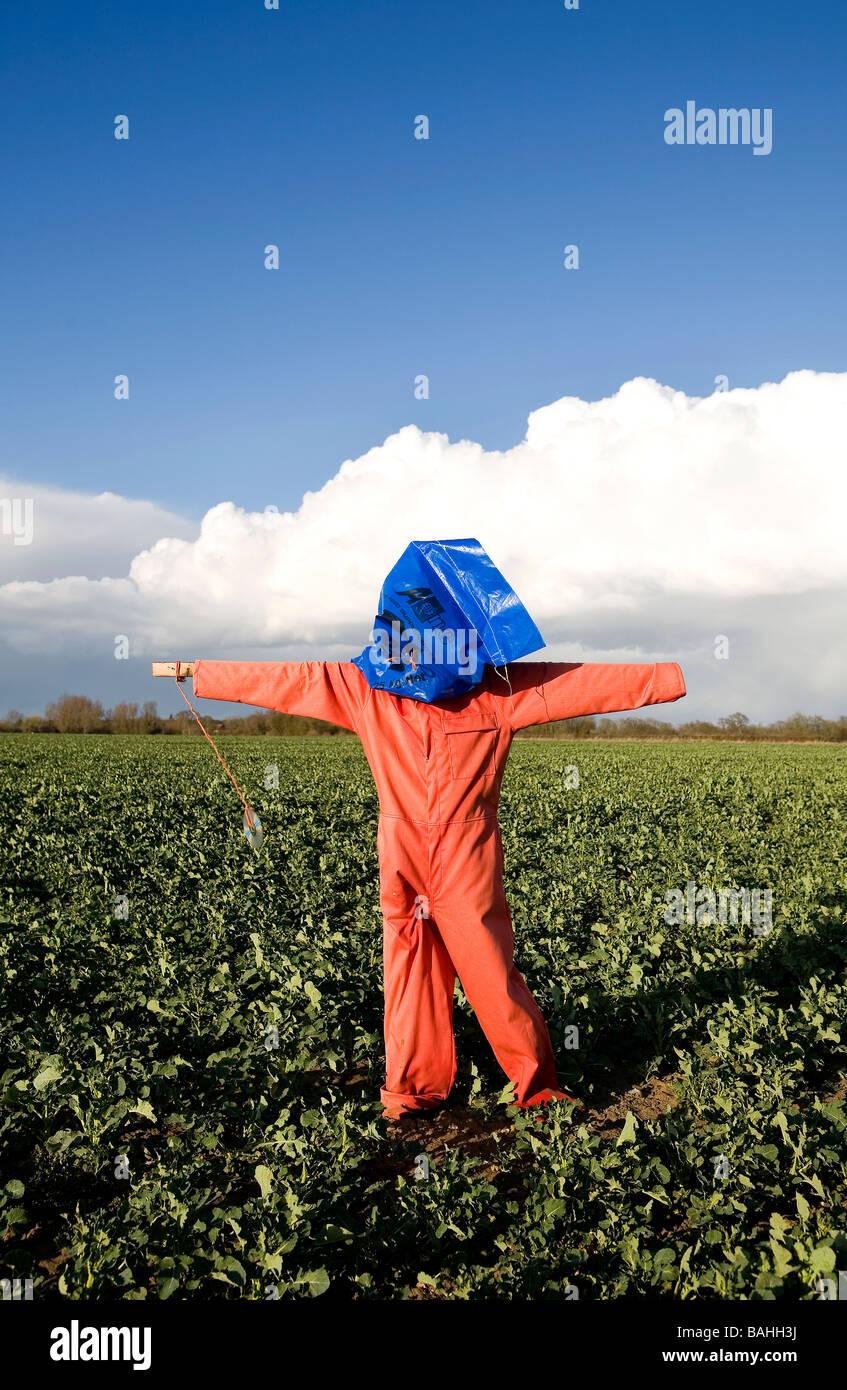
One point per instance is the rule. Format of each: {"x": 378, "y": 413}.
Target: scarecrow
{"x": 436, "y": 717}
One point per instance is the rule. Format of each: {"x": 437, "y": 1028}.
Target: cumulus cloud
{"x": 613, "y": 519}
{"x": 73, "y": 534}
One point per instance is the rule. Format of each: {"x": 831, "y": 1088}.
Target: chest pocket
{"x": 471, "y": 744}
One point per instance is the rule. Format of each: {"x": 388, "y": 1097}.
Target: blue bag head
{"x": 444, "y": 611}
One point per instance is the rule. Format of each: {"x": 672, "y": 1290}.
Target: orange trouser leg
{"x": 420, "y": 1051}
{"x": 501, "y": 999}
{"x": 418, "y": 978}
{"x": 476, "y": 927}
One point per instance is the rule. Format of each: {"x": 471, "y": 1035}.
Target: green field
{"x": 709, "y": 1159}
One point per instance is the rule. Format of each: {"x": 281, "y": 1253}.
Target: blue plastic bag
{"x": 444, "y": 611}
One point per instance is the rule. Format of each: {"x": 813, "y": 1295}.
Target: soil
{"x": 433, "y": 1132}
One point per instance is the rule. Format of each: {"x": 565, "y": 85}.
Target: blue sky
{"x": 398, "y": 256}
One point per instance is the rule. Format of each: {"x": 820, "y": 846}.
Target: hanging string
{"x": 506, "y": 678}
{"x": 250, "y": 813}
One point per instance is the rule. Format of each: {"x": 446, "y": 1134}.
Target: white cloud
{"x": 607, "y": 515}
{"x": 78, "y": 535}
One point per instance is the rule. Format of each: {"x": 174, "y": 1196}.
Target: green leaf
{"x": 317, "y": 1282}
{"x": 264, "y": 1177}
{"x": 822, "y": 1259}
{"x": 45, "y": 1077}
{"x": 778, "y": 1224}
{"x": 627, "y": 1134}
{"x": 802, "y": 1207}
{"x": 143, "y": 1108}
{"x": 334, "y": 1233}
{"x": 629, "y": 1250}
{"x": 781, "y": 1259}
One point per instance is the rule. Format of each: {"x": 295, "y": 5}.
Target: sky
{"x": 273, "y": 457}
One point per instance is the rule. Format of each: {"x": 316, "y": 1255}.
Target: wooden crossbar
{"x": 168, "y": 668}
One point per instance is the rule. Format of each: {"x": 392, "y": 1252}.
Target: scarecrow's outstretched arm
{"x": 330, "y": 690}
{"x": 545, "y": 690}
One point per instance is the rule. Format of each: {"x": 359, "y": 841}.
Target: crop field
{"x": 192, "y": 1031}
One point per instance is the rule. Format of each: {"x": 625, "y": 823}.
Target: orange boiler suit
{"x": 438, "y": 769}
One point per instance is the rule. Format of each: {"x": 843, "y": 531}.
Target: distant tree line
{"x": 77, "y": 714}
{"x": 799, "y": 728}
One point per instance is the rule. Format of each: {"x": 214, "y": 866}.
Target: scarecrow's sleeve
{"x": 330, "y": 690}
{"x": 544, "y": 691}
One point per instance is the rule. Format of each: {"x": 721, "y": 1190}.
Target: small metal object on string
{"x": 253, "y": 832}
